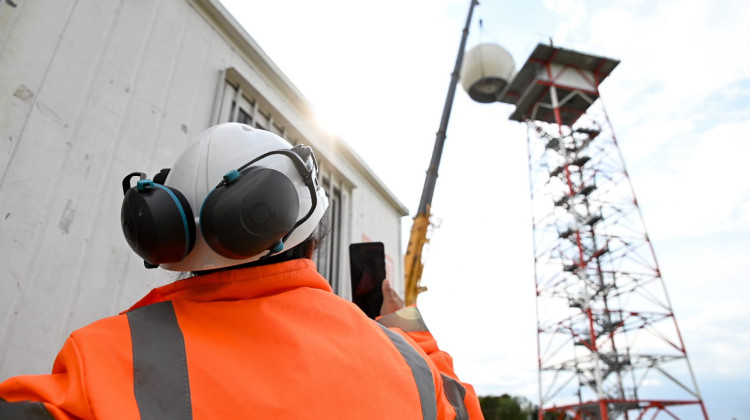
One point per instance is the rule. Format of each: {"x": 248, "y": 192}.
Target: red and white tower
{"x": 608, "y": 342}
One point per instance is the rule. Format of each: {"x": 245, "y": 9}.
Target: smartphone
{"x": 367, "y": 263}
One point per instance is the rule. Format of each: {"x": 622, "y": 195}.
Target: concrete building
{"x": 91, "y": 91}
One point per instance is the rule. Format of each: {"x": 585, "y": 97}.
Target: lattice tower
{"x": 608, "y": 341}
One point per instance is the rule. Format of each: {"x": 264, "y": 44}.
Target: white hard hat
{"x": 248, "y": 192}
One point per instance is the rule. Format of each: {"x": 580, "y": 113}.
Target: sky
{"x": 377, "y": 74}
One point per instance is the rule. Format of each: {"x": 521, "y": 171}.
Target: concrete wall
{"x": 93, "y": 90}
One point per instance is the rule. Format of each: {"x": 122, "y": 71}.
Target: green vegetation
{"x": 506, "y": 407}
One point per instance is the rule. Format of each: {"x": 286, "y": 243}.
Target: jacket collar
{"x": 240, "y": 283}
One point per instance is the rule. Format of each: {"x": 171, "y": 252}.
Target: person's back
{"x": 254, "y": 339}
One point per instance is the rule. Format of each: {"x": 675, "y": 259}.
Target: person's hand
{"x": 392, "y": 302}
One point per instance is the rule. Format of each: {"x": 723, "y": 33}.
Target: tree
{"x": 506, "y": 407}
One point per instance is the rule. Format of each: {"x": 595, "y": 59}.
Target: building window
{"x": 242, "y": 108}
{"x": 243, "y": 117}
{"x": 263, "y": 120}
{"x": 327, "y": 256}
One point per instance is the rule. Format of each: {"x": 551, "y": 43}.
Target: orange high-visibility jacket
{"x": 268, "y": 342}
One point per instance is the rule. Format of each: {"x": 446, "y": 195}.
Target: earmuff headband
{"x": 126, "y": 180}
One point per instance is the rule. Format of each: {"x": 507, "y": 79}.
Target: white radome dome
{"x": 485, "y": 72}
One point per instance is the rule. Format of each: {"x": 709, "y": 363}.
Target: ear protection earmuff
{"x": 255, "y": 208}
{"x": 251, "y": 210}
{"x": 157, "y": 221}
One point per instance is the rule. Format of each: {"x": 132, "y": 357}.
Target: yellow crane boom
{"x": 413, "y": 259}
{"x": 413, "y": 264}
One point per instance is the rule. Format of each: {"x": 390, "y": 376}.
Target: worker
{"x": 254, "y": 331}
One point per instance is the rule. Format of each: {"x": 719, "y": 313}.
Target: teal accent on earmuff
{"x": 277, "y": 247}
{"x": 144, "y": 184}
{"x": 231, "y": 176}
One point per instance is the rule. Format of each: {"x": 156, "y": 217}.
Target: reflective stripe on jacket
{"x": 264, "y": 342}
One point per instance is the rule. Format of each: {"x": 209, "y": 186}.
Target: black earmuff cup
{"x": 249, "y": 215}
{"x": 154, "y": 226}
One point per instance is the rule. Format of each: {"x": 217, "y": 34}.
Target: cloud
{"x": 698, "y": 186}
{"x": 707, "y": 280}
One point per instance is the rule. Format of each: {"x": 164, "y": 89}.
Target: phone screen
{"x": 367, "y": 262}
